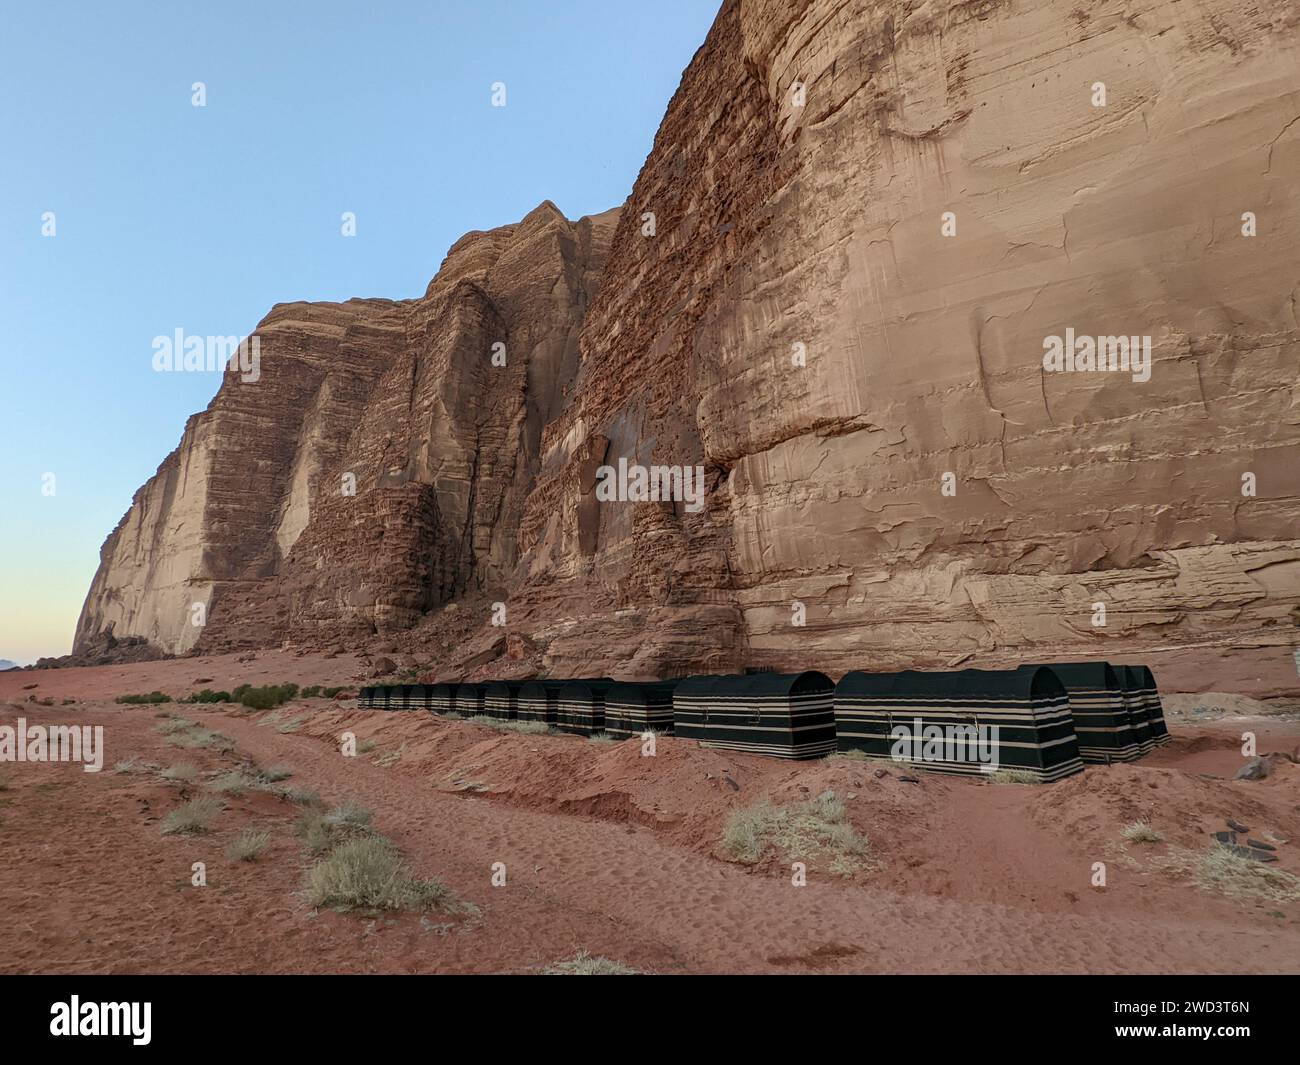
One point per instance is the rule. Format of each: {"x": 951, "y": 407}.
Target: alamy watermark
{"x": 195, "y": 354}
{"x": 1074, "y": 354}
{"x": 634, "y": 483}
{"x": 53, "y": 743}
{"x": 918, "y": 742}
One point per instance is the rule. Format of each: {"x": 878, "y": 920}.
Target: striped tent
{"x": 946, "y": 721}
{"x": 1142, "y": 698}
{"x": 786, "y": 715}
{"x": 500, "y": 699}
{"x": 421, "y": 697}
{"x": 580, "y": 706}
{"x": 438, "y": 698}
{"x": 467, "y": 699}
{"x": 537, "y": 700}
{"x": 631, "y": 709}
{"x": 366, "y": 697}
{"x": 1135, "y": 702}
{"x": 401, "y": 697}
{"x": 1101, "y": 719}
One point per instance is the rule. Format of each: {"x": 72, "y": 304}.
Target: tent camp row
{"x": 1045, "y": 721}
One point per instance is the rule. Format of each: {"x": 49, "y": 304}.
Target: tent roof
{"x": 1022, "y": 683}
{"x": 638, "y": 693}
{"x": 1086, "y": 674}
{"x": 755, "y": 685}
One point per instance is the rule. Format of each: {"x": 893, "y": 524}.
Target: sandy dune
{"x": 610, "y": 851}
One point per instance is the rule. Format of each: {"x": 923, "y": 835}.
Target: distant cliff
{"x": 831, "y": 289}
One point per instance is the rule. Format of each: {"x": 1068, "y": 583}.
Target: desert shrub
{"x": 171, "y": 725}
{"x": 151, "y": 697}
{"x": 197, "y": 736}
{"x": 191, "y": 818}
{"x": 320, "y": 830}
{"x": 584, "y": 964}
{"x": 182, "y": 773}
{"x": 367, "y": 873}
{"x": 1141, "y": 832}
{"x": 248, "y": 845}
{"x": 817, "y": 829}
{"x": 528, "y": 728}
{"x": 1012, "y": 776}
{"x": 329, "y": 693}
{"x": 310, "y": 693}
{"x": 207, "y": 695}
{"x": 275, "y": 774}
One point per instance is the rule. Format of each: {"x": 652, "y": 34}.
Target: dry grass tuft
{"x": 1223, "y": 871}
{"x": 583, "y": 964}
{"x": 182, "y": 773}
{"x": 1141, "y": 832}
{"x": 248, "y": 845}
{"x": 192, "y": 818}
{"x": 816, "y": 832}
{"x": 367, "y": 873}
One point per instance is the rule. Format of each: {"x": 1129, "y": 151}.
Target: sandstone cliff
{"x": 830, "y": 288}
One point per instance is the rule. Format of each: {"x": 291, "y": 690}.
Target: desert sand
{"x": 615, "y": 853}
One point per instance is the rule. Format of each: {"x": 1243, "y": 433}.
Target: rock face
{"x": 831, "y": 290}
{"x": 377, "y": 466}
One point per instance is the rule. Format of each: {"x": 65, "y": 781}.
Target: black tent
{"x": 419, "y": 697}
{"x": 1142, "y": 698}
{"x": 467, "y": 699}
{"x": 968, "y": 721}
{"x": 580, "y": 706}
{"x": 1101, "y": 720}
{"x": 787, "y": 715}
{"x": 366, "y": 698}
{"x": 631, "y": 708}
{"x": 439, "y": 697}
{"x": 500, "y": 699}
{"x": 537, "y": 700}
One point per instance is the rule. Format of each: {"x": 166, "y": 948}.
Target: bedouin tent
{"x": 400, "y": 697}
{"x": 580, "y": 706}
{"x": 500, "y": 699}
{"x": 537, "y": 700}
{"x": 1101, "y": 720}
{"x": 786, "y": 715}
{"x": 439, "y": 698}
{"x": 968, "y": 721}
{"x": 366, "y": 697}
{"x": 420, "y": 697}
{"x": 1142, "y": 698}
{"x": 467, "y": 699}
{"x": 1135, "y": 702}
{"x": 634, "y": 708}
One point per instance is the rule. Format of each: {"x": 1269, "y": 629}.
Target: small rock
{"x": 851, "y": 795}
{"x": 383, "y": 666}
{"x": 731, "y": 783}
{"x": 1228, "y": 839}
{"x": 910, "y": 780}
{"x": 202, "y": 680}
{"x": 28, "y": 687}
{"x": 1255, "y": 769}
{"x": 1260, "y": 845}
{"x": 1236, "y": 826}
{"x": 881, "y": 774}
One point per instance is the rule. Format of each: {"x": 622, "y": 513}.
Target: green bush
{"x": 207, "y": 695}
{"x": 265, "y": 698}
{"x": 151, "y": 697}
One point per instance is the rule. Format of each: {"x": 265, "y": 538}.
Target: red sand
{"x": 611, "y": 852}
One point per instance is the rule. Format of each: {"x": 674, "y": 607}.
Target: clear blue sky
{"x": 171, "y": 216}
